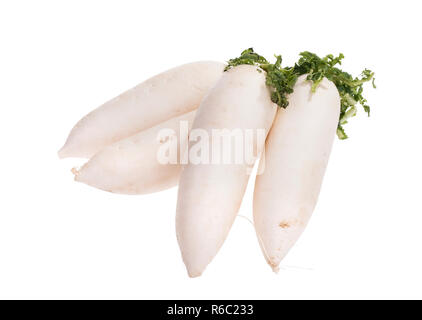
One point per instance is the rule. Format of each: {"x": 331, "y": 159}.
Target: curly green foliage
{"x": 247, "y": 56}
{"x": 279, "y": 80}
{"x": 349, "y": 88}
{"x": 282, "y": 80}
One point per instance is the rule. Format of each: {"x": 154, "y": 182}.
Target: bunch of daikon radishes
{"x": 300, "y": 108}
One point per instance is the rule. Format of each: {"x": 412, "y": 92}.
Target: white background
{"x": 62, "y": 239}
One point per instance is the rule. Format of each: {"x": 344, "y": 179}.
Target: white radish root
{"x": 130, "y": 166}
{"x": 162, "y": 97}
{"x": 296, "y": 155}
{"x": 210, "y": 194}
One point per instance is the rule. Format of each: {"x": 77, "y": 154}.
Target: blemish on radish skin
{"x": 298, "y": 222}
{"x": 284, "y": 224}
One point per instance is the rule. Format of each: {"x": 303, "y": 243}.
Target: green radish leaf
{"x": 349, "y": 88}
{"x": 281, "y": 80}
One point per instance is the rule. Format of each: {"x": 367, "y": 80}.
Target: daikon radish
{"x": 298, "y": 147}
{"x": 296, "y": 155}
{"x": 131, "y": 166}
{"x": 165, "y": 96}
{"x": 210, "y": 194}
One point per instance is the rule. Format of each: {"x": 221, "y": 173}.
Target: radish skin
{"x": 296, "y": 155}
{"x": 130, "y": 166}
{"x": 210, "y": 194}
{"x": 162, "y": 97}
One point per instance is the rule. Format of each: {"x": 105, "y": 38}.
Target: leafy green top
{"x": 282, "y": 80}
{"x": 349, "y": 88}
